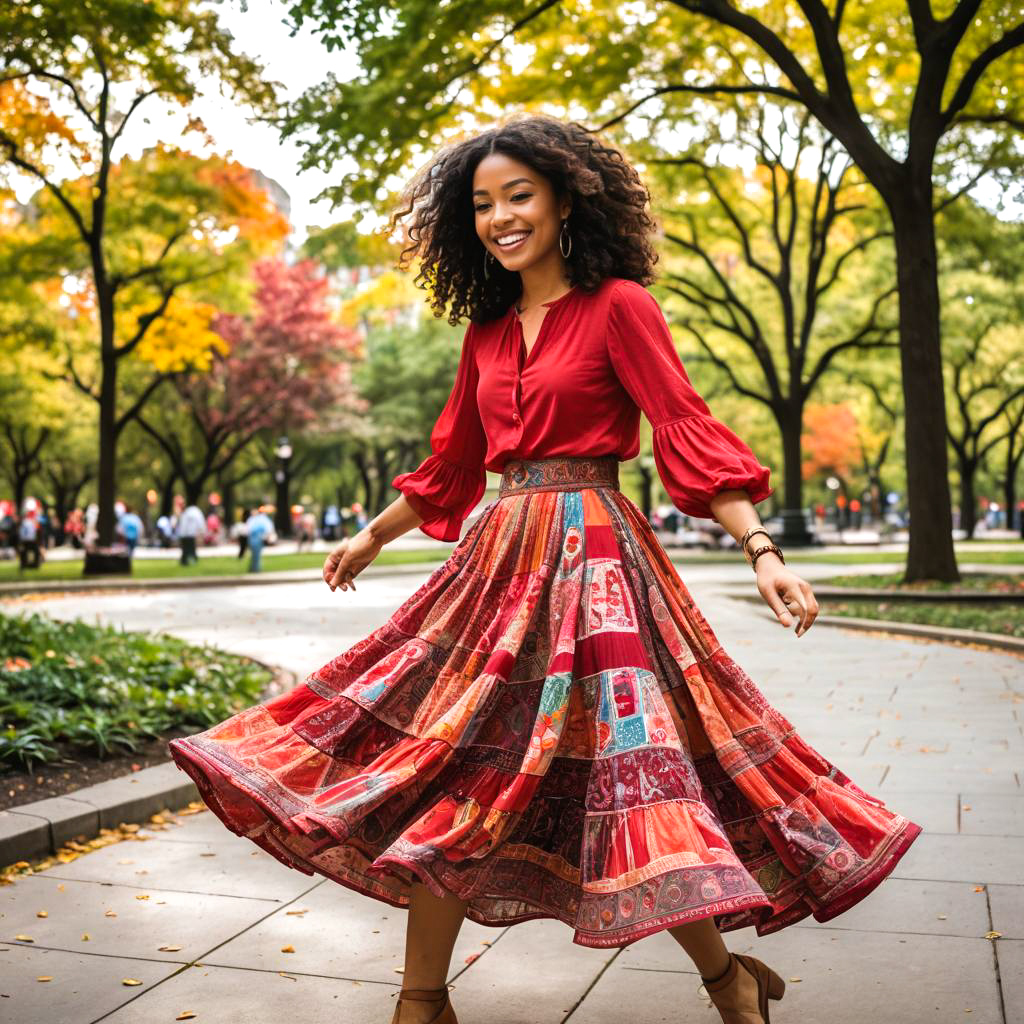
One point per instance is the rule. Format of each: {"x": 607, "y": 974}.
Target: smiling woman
{"x": 549, "y": 727}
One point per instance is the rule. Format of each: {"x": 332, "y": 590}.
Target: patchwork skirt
{"x": 548, "y": 727}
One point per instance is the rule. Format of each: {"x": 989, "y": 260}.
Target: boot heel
{"x": 776, "y": 986}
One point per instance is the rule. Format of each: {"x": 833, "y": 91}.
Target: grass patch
{"x": 1006, "y": 621}
{"x": 211, "y": 565}
{"x": 67, "y": 688}
{"x": 984, "y": 582}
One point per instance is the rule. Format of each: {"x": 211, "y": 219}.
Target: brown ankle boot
{"x": 742, "y": 993}
{"x": 445, "y": 1015}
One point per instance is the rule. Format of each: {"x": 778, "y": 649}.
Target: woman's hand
{"x": 787, "y": 594}
{"x": 349, "y": 558}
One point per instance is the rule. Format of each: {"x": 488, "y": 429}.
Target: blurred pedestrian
{"x": 164, "y": 530}
{"x": 28, "y": 541}
{"x": 332, "y": 522}
{"x": 212, "y": 528}
{"x": 240, "y": 532}
{"x": 190, "y": 526}
{"x": 130, "y": 528}
{"x": 90, "y": 534}
{"x": 258, "y": 528}
{"x": 306, "y": 530}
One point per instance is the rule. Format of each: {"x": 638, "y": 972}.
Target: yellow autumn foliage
{"x": 180, "y": 339}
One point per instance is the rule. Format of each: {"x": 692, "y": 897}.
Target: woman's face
{"x": 518, "y": 217}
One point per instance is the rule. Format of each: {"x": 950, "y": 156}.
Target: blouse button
{"x": 515, "y": 419}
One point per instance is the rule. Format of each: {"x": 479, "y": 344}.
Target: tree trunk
{"x": 794, "y": 523}
{"x": 1014, "y": 516}
{"x": 968, "y": 502}
{"x": 167, "y": 493}
{"x": 931, "y": 555}
{"x": 106, "y": 483}
{"x": 194, "y": 490}
{"x": 227, "y": 497}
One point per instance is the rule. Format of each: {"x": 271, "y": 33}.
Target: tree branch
{"x": 1011, "y": 39}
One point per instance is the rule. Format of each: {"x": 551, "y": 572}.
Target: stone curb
{"x": 943, "y": 634}
{"x": 41, "y": 828}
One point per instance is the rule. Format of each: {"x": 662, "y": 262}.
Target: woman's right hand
{"x": 349, "y": 558}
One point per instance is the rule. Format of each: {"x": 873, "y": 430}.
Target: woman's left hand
{"x": 787, "y": 594}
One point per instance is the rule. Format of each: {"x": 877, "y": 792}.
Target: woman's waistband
{"x": 559, "y": 473}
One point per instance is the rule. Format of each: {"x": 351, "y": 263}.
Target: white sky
{"x": 297, "y": 63}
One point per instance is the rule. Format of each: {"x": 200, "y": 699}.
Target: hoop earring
{"x": 488, "y": 260}
{"x": 565, "y": 229}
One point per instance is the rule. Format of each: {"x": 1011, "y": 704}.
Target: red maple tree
{"x": 287, "y": 365}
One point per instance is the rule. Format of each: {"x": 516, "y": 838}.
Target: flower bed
{"x": 81, "y": 703}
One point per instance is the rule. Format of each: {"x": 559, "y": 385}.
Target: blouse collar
{"x": 553, "y": 303}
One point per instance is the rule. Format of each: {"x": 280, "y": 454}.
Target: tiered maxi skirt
{"x": 548, "y": 727}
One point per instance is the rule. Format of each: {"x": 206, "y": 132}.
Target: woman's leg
{"x": 704, "y": 946}
{"x": 431, "y": 931}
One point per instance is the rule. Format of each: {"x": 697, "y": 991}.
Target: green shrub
{"x": 101, "y": 690}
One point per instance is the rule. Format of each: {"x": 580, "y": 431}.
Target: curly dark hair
{"x": 609, "y": 225}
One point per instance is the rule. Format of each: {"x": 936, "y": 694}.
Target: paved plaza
{"x": 933, "y": 729}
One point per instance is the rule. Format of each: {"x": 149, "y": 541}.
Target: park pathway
{"x": 935, "y": 730}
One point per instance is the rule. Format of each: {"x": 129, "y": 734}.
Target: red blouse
{"x": 597, "y": 362}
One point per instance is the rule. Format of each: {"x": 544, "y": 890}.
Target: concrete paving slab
{"x": 658, "y": 952}
{"x": 1008, "y": 909}
{"x": 910, "y": 906}
{"x": 201, "y": 827}
{"x": 536, "y": 974}
{"x": 224, "y": 995}
{"x": 1010, "y": 957}
{"x": 83, "y": 987}
{"x": 852, "y": 976}
{"x": 645, "y": 996}
{"x": 975, "y": 859}
{"x": 992, "y": 814}
{"x": 195, "y": 922}
{"x": 338, "y": 933}
{"x": 237, "y": 869}
{"x": 934, "y": 812}
{"x": 909, "y": 775}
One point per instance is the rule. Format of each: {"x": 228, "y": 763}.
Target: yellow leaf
{"x": 169, "y": 949}
{"x": 110, "y": 913}
{"x": 287, "y": 949}
{"x": 85, "y": 936}
{"x": 130, "y": 981}
{"x": 185, "y": 1015}
{"x": 42, "y": 913}
{"x": 993, "y": 935}
{"x": 45, "y": 977}
{"x": 24, "y": 938}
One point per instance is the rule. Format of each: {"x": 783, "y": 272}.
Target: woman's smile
{"x": 512, "y": 241}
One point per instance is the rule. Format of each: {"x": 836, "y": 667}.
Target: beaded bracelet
{"x": 761, "y": 550}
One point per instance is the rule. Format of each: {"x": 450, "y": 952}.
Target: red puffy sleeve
{"x": 450, "y": 481}
{"x": 696, "y": 455}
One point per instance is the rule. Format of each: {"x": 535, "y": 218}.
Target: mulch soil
{"x": 73, "y": 771}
